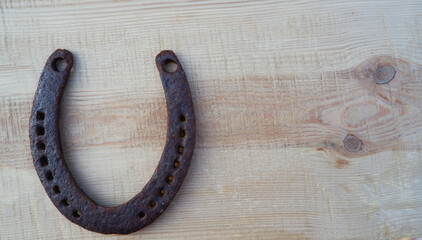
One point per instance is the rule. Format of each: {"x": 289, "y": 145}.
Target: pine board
{"x": 277, "y": 86}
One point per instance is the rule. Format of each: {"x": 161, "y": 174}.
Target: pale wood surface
{"x": 276, "y": 85}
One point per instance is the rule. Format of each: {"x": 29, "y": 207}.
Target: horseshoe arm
{"x": 57, "y": 180}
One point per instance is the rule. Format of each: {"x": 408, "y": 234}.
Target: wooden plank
{"x": 277, "y": 86}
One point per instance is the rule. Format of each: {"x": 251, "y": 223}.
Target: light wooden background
{"x": 277, "y": 85}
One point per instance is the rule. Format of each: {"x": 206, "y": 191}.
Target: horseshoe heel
{"x": 57, "y": 180}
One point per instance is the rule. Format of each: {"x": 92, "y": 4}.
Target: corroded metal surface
{"x": 57, "y": 180}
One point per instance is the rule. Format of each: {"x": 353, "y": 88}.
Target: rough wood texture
{"x": 277, "y": 86}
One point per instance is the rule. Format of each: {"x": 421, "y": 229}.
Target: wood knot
{"x": 352, "y": 143}
{"x": 384, "y": 74}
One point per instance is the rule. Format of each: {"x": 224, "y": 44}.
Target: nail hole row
{"x": 43, "y": 161}
{"x": 169, "y": 180}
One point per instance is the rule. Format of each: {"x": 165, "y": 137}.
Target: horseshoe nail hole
{"x": 170, "y": 179}
{"x": 49, "y": 176}
{"x": 76, "y": 214}
{"x": 170, "y": 66}
{"x": 59, "y": 64}
{"x": 176, "y": 164}
{"x": 141, "y": 215}
{"x": 40, "y": 130}
{"x": 180, "y": 149}
{"x": 43, "y": 161}
{"x": 182, "y": 133}
{"x": 182, "y": 118}
{"x": 56, "y": 189}
{"x": 65, "y": 202}
{"x": 152, "y": 204}
{"x": 40, "y": 116}
{"x": 162, "y": 192}
{"x": 40, "y": 146}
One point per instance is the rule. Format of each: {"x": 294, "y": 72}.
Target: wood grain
{"x": 277, "y": 86}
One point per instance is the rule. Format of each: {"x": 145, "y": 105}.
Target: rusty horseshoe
{"x": 64, "y": 192}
